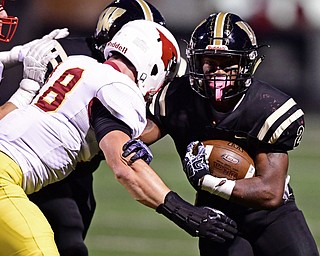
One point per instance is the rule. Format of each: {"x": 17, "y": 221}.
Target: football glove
{"x": 204, "y": 222}
{"x": 36, "y": 61}
{"x": 18, "y": 53}
{"x": 140, "y": 150}
{"x": 195, "y": 163}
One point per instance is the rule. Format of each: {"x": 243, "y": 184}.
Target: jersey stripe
{"x": 159, "y": 99}
{"x": 274, "y": 117}
{"x": 162, "y": 101}
{"x": 275, "y": 136}
{"x": 61, "y": 54}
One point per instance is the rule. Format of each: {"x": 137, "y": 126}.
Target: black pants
{"x": 281, "y": 232}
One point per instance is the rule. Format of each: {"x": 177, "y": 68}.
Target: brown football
{"x": 228, "y": 160}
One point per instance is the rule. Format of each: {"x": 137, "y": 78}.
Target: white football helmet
{"x": 152, "y": 50}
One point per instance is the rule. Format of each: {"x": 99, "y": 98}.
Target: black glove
{"x": 202, "y": 222}
{"x": 195, "y": 163}
{"x": 141, "y": 150}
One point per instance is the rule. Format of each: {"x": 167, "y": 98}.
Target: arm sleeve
{"x": 104, "y": 122}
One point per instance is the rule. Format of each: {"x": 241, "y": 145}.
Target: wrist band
{"x": 218, "y": 186}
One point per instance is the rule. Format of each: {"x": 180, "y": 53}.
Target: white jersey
{"x": 49, "y": 137}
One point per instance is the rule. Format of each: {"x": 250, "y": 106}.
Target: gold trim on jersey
{"x": 276, "y": 116}
{"x": 162, "y": 100}
{"x": 275, "y": 136}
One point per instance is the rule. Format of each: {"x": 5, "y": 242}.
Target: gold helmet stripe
{"x": 218, "y": 28}
{"x": 246, "y": 28}
{"x": 146, "y": 10}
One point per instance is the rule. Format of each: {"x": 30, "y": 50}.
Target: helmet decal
{"x": 166, "y": 58}
{"x": 111, "y": 13}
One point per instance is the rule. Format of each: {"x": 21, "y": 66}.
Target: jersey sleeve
{"x": 125, "y": 103}
{"x": 273, "y": 118}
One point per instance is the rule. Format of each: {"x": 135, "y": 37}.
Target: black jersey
{"x": 264, "y": 119}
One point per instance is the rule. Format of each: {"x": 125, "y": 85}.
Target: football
{"x": 228, "y": 160}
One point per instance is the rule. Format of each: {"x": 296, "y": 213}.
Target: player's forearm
{"x": 151, "y": 189}
{"x": 143, "y": 184}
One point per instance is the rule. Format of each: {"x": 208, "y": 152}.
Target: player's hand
{"x": 196, "y": 164}
{"x": 36, "y": 61}
{"x": 55, "y": 34}
{"x": 139, "y": 149}
{"x": 201, "y": 222}
{"x": 19, "y": 52}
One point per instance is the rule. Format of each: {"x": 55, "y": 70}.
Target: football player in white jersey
{"x": 54, "y": 133}
{"x": 28, "y": 88}
{"x": 71, "y": 228}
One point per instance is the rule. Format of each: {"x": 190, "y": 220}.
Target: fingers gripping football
{"x": 139, "y": 149}
{"x": 195, "y": 163}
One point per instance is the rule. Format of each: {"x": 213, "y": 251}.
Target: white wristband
{"x": 218, "y": 186}
{"x": 25, "y": 93}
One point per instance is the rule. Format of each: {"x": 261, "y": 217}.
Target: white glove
{"x": 18, "y": 53}
{"x": 25, "y": 93}
{"x": 36, "y": 61}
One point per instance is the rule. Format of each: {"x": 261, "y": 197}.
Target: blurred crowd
{"x": 290, "y": 27}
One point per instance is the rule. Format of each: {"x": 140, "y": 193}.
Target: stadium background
{"x": 292, "y": 28}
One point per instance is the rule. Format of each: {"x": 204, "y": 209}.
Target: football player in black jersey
{"x": 220, "y": 99}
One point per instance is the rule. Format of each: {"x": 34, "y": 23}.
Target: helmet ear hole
{"x": 154, "y": 70}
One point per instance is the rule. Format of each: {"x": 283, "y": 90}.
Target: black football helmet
{"x": 118, "y": 13}
{"x": 230, "y": 44}
{"x": 8, "y": 26}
